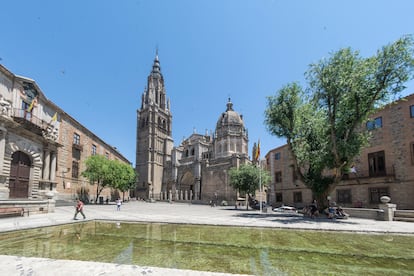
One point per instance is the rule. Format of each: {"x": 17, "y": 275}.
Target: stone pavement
{"x": 168, "y": 213}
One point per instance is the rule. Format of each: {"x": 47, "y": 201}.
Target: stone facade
{"x": 78, "y": 143}
{"x": 154, "y": 141}
{"x": 38, "y": 153}
{"x": 198, "y": 168}
{"x": 385, "y": 167}
{"x": 29, "y": 140}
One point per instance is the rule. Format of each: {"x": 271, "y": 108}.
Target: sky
{"x": 92, "y": 58}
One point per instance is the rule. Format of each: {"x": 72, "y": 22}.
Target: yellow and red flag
{"x": 29, "y": 109}
{"x": 257, "y": 154}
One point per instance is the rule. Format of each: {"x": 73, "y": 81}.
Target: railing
{"x": 22, "y": 116}
{"x": 362, "y": 174}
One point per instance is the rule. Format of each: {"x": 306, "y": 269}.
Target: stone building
{"x": 154, "y": 139}
{"x": 39, "y": 155}
{"x": 195, "y": 170}
{"x": 77, "y": 144}
{"x": 385, "y": 167}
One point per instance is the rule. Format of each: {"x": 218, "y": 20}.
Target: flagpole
{"x": 260, "y": 186}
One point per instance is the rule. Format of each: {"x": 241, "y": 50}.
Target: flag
{"x": 54, "y": 118}
{"x": 257, "y": 153}
{"x": 29, "y": 109}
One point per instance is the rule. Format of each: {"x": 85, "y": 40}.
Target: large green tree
{"x": 247, "y": 179}
{"x": 103, "y": 173}
{"x": 323, "y": 124}
{"x": 124, "y": 178}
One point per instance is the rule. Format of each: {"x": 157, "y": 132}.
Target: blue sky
{"x": 92, "y": 58}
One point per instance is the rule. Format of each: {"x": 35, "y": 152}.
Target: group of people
{"x": 79, "y": 208}
{"x": 337, "y": 212}
{"x": 331, "y": 212}
{"x": 311, "y": 210}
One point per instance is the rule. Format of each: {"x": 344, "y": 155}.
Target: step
{"x": 407, "y": 219}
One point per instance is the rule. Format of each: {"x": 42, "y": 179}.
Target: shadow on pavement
{"x": 292, "y": 218}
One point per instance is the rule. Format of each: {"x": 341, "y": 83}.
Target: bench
{"x": 11, "y": 211}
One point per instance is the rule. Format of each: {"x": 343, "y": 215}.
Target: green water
{"x": 258, "y": 251}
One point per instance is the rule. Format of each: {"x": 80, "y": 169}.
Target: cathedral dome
{"x": 230, "y": 117}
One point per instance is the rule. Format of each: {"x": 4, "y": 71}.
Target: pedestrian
{"x": 118, "y": 204}
{"x": 79, "y": 209}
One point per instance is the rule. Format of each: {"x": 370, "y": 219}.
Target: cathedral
{"x": 197, "y": 169}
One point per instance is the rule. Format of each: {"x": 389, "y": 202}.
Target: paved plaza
{"x": 168, "y": 213}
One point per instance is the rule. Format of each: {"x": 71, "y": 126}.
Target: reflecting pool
{"x": 258, "y": 251}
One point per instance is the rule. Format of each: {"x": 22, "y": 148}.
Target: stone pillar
{"x": 389, "y": 209}
{"x": 197, "y": 188}
{"x": 4, "y": 191}
{"x": 46, "y": 165}
{"x": 3, "y": 133}
{"x": 53, "y": 167}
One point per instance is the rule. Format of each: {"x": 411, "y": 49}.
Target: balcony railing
{"x": 28, "y": 120}
{"x": 363, "y": 174}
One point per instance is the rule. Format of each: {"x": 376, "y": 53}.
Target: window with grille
{"x": 376, "y": 162}
{"x": 75, "y": 169}
{"x": 278, "y": 177}
{"x": 343, "y": 196}
{"x": 297, "y": 197}
{"x": 279, "y": 197}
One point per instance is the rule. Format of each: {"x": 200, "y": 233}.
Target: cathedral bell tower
{"x": 154, "y": 135}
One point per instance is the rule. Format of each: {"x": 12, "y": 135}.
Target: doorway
{"x": 19, "y": 175}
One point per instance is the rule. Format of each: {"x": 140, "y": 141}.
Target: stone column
{"x": 389, "y": 209}
{"x": 53, "y": 167}
{"x": 4, "y": 191}
{"x": 3, "y": 133}
{"x": 46, "y": 165}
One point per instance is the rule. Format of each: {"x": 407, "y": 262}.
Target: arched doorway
{"x": 186, "y": 183}
{"x": 19, "y": 175}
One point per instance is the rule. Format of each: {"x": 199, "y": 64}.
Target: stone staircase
{"x": 404, "y": 215}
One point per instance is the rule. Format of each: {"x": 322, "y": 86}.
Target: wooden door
{"x": 19, "y": 175}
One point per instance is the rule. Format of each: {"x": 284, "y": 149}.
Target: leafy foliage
{"x": 108, "y": 173}
{"x": 323, "y": 126}
{"x": 247, "y": 178}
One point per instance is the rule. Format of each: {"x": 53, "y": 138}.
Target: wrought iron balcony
{"x": 29, "y": 121}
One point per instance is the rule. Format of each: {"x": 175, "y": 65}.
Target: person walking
{"x": 118, "y": 204}
{"x": 79, "y": 209}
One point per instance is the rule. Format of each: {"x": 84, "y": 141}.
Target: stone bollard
{"x": 389, "y": 208}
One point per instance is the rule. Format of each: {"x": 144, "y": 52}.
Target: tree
{"x": 247, "y": 178}
{"x": 97, "y": 172}
{"x": 108, "y": 173}
{"x": 323, "y": 126}
{"x": 125, "y": 177}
